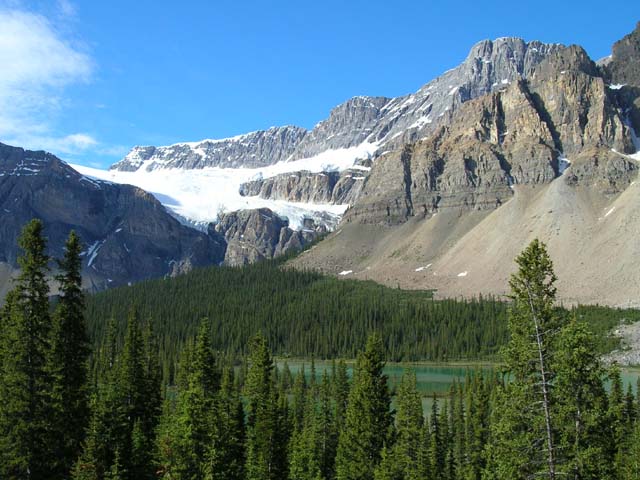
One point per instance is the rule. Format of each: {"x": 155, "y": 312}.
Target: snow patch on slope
{"x": 563, "y": 163}
{"x": 200, "y": 195}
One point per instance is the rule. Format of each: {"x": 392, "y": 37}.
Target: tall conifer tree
{"x": 526, "y": 407}
{"x": 265, "y": 423}
{"x": 368, "y": 417}
{"x": 68, "y": 360}
{"x": 225, "y": 456}
{"x": 580, "y": 410}
{"x": 191, "y": 426}
{"x": 401, "y": 461}
{"x": 26, "y": 449}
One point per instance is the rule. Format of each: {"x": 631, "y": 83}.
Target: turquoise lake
{"x": 431, "y": 378}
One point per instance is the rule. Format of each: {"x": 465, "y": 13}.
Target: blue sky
{"x": 89, "y": 79}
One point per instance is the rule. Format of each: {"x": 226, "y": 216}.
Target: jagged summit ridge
{"x": 380, "y": 121}
{"x": 256, "y": 149}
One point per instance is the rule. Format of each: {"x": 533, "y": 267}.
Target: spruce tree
{"x": 458, "y": 437}
{"x": 124, "y": 413}
{"x": 305, "y": 456}
{"x": 628, "y": 464}
{"x": 131, "y": 394}
{"x": 299, "y": 397}
{"x": 68, "y": 360}
{"x": 106, "y": 423}
{"x": 265, "y": 422}
{"x": 580, "y": 410}
{"x": 618, "y": 427}
{"x": 367, "y": 419}
{"x": 402, "y": 459}
{"x": 225, "y": 456}
{"x": 192, "y": 425}
{"x": 340, "y": 383}
{"x": 526, "y": 406}
{"x": 144, "y": 439}
{"x": 477, "y": 406}
{"x": 436, "y": 442}
{"x": 90, "y": 465}
{"x": 327, "y": 428}
{"x": 168, "y": 440}
{"x": 26, "y": 443}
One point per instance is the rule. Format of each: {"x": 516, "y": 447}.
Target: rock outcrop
{"x": 622, "y": 71}
{"x": 623, "y": 67}
{"x": 253, "y": 235}
{"x": 307, "y": 187}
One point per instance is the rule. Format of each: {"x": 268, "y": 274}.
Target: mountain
{"x": 128, "y": 234}
{"x": 553, "y": 156}
{"x": 377, "y": 121}
{"x": 437, "y": 189}
{"x": 313, "y": 176}
{"x": 256, "y": 149}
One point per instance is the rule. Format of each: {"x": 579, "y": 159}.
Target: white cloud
{"x": 36, "y": 55}
{"x": 38, "y": 63}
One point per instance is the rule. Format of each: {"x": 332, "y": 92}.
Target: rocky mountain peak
{"x": 624, "y": 64}
{"x": 573, "y": 58}
{"x": 255, "y": 149}
{"x": 494, "y": 64}
{"x": 20, "y": 162}
{"x": 349, "y": 124}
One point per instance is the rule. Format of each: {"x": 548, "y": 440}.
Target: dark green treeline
{"x": 255, "y": 423}
{"x": 305, "y": 314}
{"x": 547, "y": 415}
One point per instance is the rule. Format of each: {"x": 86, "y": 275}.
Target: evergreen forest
{"x": 308, "y": 315}
{"x": 175, "y": 379}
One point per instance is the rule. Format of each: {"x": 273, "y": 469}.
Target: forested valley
{"x": 307, "y": 315}
{"x": 175, "y": 379}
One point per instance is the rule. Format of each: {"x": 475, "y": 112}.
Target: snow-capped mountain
{"x": 433, "y": 189}
{"x": 200, "y": 180}
{"x": 251, "y": 150}
{"x": 128, "y": 235}
{"x": 553, "y": 156}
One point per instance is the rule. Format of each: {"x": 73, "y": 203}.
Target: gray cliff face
{"x": 576, "y": 103}
{"x": 516, "y": 135}
{"x": 623, "y": 67}
{"x": 349, "y": 124}
{"x": 256, "y": 149}
{"x": 490, "y": 66}
{"x": 127, "y": 233}
{"x": 306, "y": 187}
{"x": 259, "y": 234}
{"x": 622, "y": 71}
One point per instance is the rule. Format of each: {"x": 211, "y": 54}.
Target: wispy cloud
{"x": 66, "y": 8}
{"x": 38, "y": 66}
